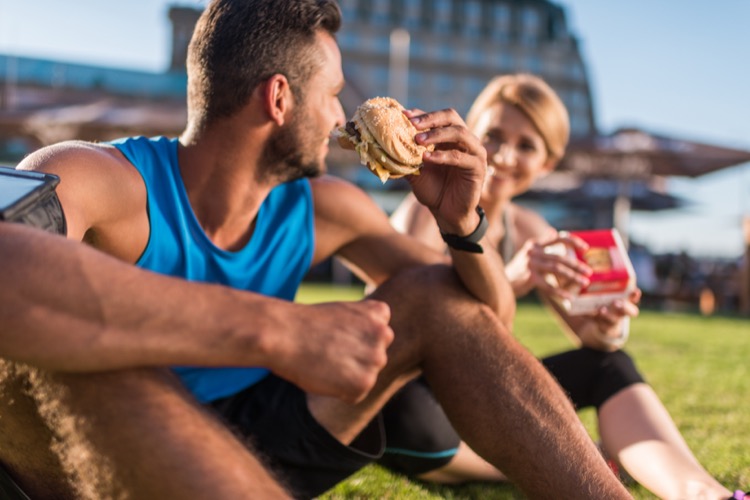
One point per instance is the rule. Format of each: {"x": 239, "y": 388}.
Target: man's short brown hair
{"x": 237, "y": 44}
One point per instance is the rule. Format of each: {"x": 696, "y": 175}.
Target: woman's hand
{"x": 549, "y": 267}
{"x": 607, "y": 329}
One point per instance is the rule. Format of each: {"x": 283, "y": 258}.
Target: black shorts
{"x": 591, "y": 377}
{"x": 273, "y": 415}
{"x": 419, "y": 437}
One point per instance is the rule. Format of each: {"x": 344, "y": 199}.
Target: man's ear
{"x": 277, "y": 98}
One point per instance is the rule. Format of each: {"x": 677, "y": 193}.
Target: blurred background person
{"x": 524, "y": 127}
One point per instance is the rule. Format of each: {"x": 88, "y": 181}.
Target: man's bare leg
{"x": 498, "y": 396}
{"x": 133, "y": 434}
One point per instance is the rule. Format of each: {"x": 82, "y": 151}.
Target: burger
{"x": 384, "y": 139}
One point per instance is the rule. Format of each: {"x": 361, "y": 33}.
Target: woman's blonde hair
{"x": 535, "y": 99}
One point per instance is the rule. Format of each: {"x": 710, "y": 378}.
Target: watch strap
{"x": 469, "y": 243}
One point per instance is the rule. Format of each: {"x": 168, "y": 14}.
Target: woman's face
{"x": 516, "y": 153}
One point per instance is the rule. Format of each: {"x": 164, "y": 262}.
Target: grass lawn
{"x": 700, "y": 366}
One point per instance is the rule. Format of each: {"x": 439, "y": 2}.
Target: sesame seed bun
{"x": 384, "y": 138}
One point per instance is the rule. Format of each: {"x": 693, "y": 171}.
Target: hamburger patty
{"x": 351, "y": 129}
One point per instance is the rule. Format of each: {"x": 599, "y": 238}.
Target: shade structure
{"x": 592, "y": 192}
{"x": 630, "y": 156}
{"x": 97, "y": 120}
{"x": 632, "y": 153}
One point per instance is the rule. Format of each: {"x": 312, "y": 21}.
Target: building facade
{"x": 46, "y": 101}
{"x": 433, "y": 54}
{"x": 428, "y": 54}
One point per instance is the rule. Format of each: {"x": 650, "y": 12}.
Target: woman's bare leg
{"x": 465, "y": 466}
{"x": 636, "y": 430}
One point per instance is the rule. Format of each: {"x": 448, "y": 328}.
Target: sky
{"x": 682, "y": 68}
{"x": 675, "y": 67}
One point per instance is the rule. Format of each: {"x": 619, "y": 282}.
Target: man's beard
{"x": 283, "y": 157}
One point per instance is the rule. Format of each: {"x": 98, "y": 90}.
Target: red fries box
{"x": 613, "y": 275}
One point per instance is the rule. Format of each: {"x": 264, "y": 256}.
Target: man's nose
{"x": 340, "y": 116}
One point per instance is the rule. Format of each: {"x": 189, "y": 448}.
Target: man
{"x": 229, "y": 214}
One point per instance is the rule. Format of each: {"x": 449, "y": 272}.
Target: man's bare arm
{"x": 350, "y": 225}
{"x": 416, "y": 220}
{"x": 72, "y": 308}
{"x": 450, "y": 185}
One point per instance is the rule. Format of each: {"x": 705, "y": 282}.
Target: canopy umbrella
{"x": 600, "y": 198}
{"x": 97, "y": 120}
{"x": 630, "y": 154}
{"x": 590, "y": 192}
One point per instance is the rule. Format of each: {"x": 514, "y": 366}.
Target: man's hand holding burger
{"x": 394, "y": 142}
{"x": 445, "y": 165}
{"x": 450, "y": 184}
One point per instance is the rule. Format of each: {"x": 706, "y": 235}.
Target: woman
{"x": 524, "y": 127}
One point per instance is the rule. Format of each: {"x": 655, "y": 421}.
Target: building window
{"x": 472, "y": 23}
{"x": 352, "y": 70}
{"x": 500, "y": 22}
{"x": 382, "y": 43}
{"x": 578, "y": 100}
{"x": 353, "y": 74}
{"x": 444, "y": 83}
{"x": 534, "y": 64}
{"x": 530, "y": 22}
{"x": 555, "y": 67}
{"x": 347, "y": 39}
{"x": 579, "y": 125}
{"x": 417, "y": 48}
{"x": 412, "y": 13}
{"x": 575, "y": 72}
{"x": 442, "y": 17}
{"x": 416, "y": 80}
{"x": 476, "y": 55}
{"x": 380, "y": 74}
{"x": 420, "y": 101}
{"x": 506, "y": 61}
{"x": 557, "y": 28}
{"x": 381, "y": 12}
{"x": 446, "y": 53}
{"x": 348, "y": 9}
{"x": 474, "y": 86}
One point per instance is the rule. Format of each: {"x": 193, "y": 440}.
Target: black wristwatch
{"x": 469, "y": 243}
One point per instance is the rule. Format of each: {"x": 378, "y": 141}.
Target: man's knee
{"x": 433, "y": 315}
{"x": 429, "y": 296}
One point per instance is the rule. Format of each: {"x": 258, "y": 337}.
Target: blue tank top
{"x": 272, "y": 263}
